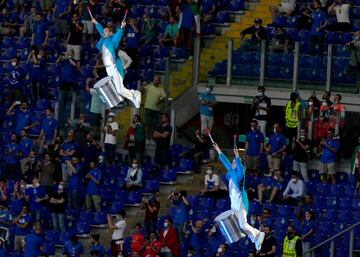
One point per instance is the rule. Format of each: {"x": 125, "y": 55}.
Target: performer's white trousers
{"x": 119, "y": 83}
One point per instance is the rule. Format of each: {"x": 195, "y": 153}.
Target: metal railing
{"x": 332, "y": 244}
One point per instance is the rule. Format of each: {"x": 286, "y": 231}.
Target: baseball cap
{"x": 258, "y": 20}
{"x": 111, "y": 114}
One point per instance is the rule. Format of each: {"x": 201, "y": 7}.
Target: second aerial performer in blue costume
{"x": 108, "y": 44}
{"x": 238, "y": 196}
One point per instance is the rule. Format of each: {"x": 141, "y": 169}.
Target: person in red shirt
{"x": 137, "y": 240}
{"x": 169, "y": 240}
{"x": 151, "y": 205}
{"x": 152, "y": 246}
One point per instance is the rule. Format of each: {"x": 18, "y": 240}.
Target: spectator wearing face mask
{"x": 307, "y": 230}
{"x": 292, "y": 245}
{"x": 276, "y": 148}
{"x": 221, "y": 251}
{"x": 134, "y": 176}
{"x": 24, "y": 118}
{"x": 16, "y": 79}
{"x": 151, "y": 247}
{"x": 261, "y": 105}
{"x": 294, "y": 190}
{"x": 292, "y": 117}
{"x": 58, "y": 202}
{"x": 257, "y": 32}
{"x": 169, "y": 240}
{"x": 268, "y": 247}
{"x": 253, "y": 147}
{"x": 207, "y": 104}
{"x": 213, "y": 186}
{"x": 110, "y": 129}
{"x": 36, "y": 197}
{"x": 93, "y": 187}
{"x": 269, "y": 192}
{"x": 37, "y": 62}
{"x": 338, "y": 115}
{"x": 137, "y": 240}
{"x": 117, "y": 238}
{"x": 329, "y": 148}
{"x": 301, "y": 149}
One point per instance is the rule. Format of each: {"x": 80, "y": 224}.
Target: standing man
{"x": 67, "y": 150}
{"x": 49, "y": 130}
{"x": 330, "y": 147}
{"x": 207, "y": 104}
{"x": 155, "y": 96}
{"x": 74, "y": 39}
{"x": 110, "y": 129}
{"x": 261, "y": 105}
{"x": 292, "y": 245}
{"x": 151, "y": 205}
{"x": 292, "y": 116}
{"x": 253, "y": 147}
{"x": 268, "y": 247}
{"x": 301, "y": 148}
{"x": 75, "y": 184}
{"x": 135, "y": 139}
{"x": 93, "y": 188}
{"x": 162, "y": 136}
{"x": 40, "y": 33}
{"x": 34, "y": 242}
{"x": 61, "y": 11}
{"x": 276, "y": 148}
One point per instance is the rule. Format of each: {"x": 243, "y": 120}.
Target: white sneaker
{"x": 259, "y": 241}
{"x": 137, "y": 99}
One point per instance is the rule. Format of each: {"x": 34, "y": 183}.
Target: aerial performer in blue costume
{"x": 108, "y": 44}
{"x": 238, "y": 196}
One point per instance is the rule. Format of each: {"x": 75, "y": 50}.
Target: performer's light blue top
{"x": 237, "y": 177}
{"x": 111, "y": 43}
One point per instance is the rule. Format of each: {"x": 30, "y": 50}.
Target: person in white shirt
{"x": 110, "y": 129}
{"x": 295, "y": 189}
{"x": 342, "y": 10}
{"x": 117, "y": 238}
{"x": 213, "y": 186}
{"x": 286, "y": 7}
{"x": 125, "y": 59}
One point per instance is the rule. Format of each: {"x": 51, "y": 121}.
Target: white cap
{"x": 111, "y": 114}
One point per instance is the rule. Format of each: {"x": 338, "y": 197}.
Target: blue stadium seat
{"x": 345, "y": 215}
{"x": 185, "y": 166}
{"x": 117, "y": 206}
{"x": 356, "y": 25}
{"x": 161, "y": 52}
{"x": 134, "y": 198}
{"x": 206, "y": 203}
{"x": 82, "y": 228}
{"x": 332, "y": 202}
{"x": 279, "y": 20}
{"x": 322, "y": 189}
{"x": 336, "y": 190}
{"x": 330, "y": 214}
{"x": 326, "y": 227}
{"x": 236, "y": 5}
{"x": 99, "y": 219}
{"x": 345, "y": 203}
{"x": 23, "y": 42}
{"x": 342, "y": 177}
{"x": 8, "y": 54}
{"x": 121, "y": 195}
{"x": 222, "y": 17}
{"x": 49, "y": 248}
{"x": 8, "y": 42}
{"x": 151, "y": 186}
{"x": 222, "y": 204}
{"x": 291, "y": 22}
{"x": 178, "y": 53}
{"x": 284, "y": 210}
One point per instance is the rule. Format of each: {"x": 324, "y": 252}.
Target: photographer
{"x": 74, "y": 39}
{"x": 182, "y": 206}
{"x": 151, "y": 205}
{"x": 261, "y": 105}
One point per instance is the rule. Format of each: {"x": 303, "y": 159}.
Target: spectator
{"x": 355, "y": 166}
{"x": 68, "y": 66}
{"x": 148, "y": 30}
{"x": 292, "y": 116}
{"x": 342, "y": 11}
{"x": 294, "y": 190}
{"x": 265, "y": 219}
{"x": 191, "y": 252}
{"x": 68, "y": 150}
{"x": 125, "y": 59}
{"x": 257, "y": 32}
{"x": 111, "y": 128}
{"x": 3, "y": 193}
{"x": 134, "y": 176}
{"x": 182, "y": 206}
{"x": 117, "y": 238}
{"x": 280, "y": 41}
{"x": 88, "y": 31}
{"x": 207, "y": 103}
{"x": 5, "y": 215}
{"x": 61, "y": 12}
{"x": 58, "y": 202}
{"x": 261, "y": 105}
{"x": 292, "y": 243}
{"x": 213, "y": 186}
{"x": 96, "y": 246}
{"x": 171, "y": 35}
{"x": 330, "y": 147}
{"x": 24, "y": 118}
{"x": 137, "y": 240}
{"x": 253, "y": 147}
{"x": 208, "y": 10}
{"x": 196, "y": 12}
{"x": 11, "y": 158}
{"x": 186, "y": 24}
{"x": 132, "y": 42}
{"x": 34, "y": 242}
{"x": 74, "y": 39}
{"x": 75, "y": 183}
{"x": 325, "y": 117}
{"x": 304, "y": 20}
{"x": 49, "y": 129}
{"x": 26, "y": 144}
{"x": 169, "y": 240}
{"x": 22, "y": 224}
{"x": 222, "y": 251}
{"x": 36, "y": 197}
{"x": 93, "y": 187}
{"x": 162, "y": 136}
{"x": 197, "y": 234}
{"x": 80, "y": 126}
{"x": 154, "y": 97}
{"x": 338, "y": 115}
{"x": 270, "y": 191}
{"x": 268, "y": 247}
{"x": 316, "y": 34}
{"x": 135, "y": 139}
{"x": 286, "y": 7}
{"x": 151, "y": 205}
{"x": 276, "y": 148}
{"x": 30, "y": 167}
{"x": 38, "y": 69}
{"x": 307, "y": 231}
{"x": 73, "y": 247}
{"x": 301, "y": 149}
{"x": 96, "y": 106}
{"x": 152, "y": 246}
{"x": 354, "y": 48}
{"x": 16, "y": 78}
{"x": 40, "y": 32}
{"x": 29, "y": 20}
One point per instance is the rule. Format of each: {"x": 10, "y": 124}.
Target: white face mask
{"x": 110, "y": 119}
{"x": 252, "y": 128}
{"x": 324, "y": 104}
{"x": 13, "y": 64}
{"x": 208, "y": 90}
{"x": 260, "y": 94}
{"x": 60, "y": 187}
{"x": 220, "y": 250}
{"x": 302, "y": 137}
{"x": 275, "y": 131}
{"x": 37, "y": 185}
{"x": 293, "y": 180}
{"x": 189, "y": 254}
{"x": 38, "y": 56}
{"x": 209, "y": 172}
{"x": 311, "y": 103}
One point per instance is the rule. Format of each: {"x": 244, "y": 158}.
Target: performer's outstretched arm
{"x": 222, "y": 157}
{"x": 118, "y": 34}
{"x": 100, "y": 29}
{"x": 239, "y": 165}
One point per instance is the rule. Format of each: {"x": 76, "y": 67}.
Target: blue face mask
{"x": 166, "y": 224}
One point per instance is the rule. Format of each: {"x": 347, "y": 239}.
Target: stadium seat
{"x": 222, "y": 17}
{"x": 332, "y": 202}
{"x": 330, "y": 215}
{"x": 151, "y": 186}
{"x": 82, "y": 228}
{"x": 49, "y": 248}
{"x": 134, "y": 198}
{"x": 185, "y": 166}
{"x": 99, "y": 219}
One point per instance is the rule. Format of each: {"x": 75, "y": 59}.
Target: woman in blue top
{"x": 108, "y": 44}
{"x": 238, "y": 197}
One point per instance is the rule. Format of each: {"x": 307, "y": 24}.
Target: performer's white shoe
{"x": 137, "y": 99}
{"x": 259, "y": 241}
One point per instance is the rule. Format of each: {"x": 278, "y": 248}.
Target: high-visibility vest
{"x": 289, "y": 247}
{"x": 292, "y": 114}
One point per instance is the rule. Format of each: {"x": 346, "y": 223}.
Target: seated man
{"x": 295, "y": 189}
{"x": 280, "y": 41}
{"x": 171, "y": 33}
{"x": 134, "y": 176}
{"x": 213, "y": 185}
{"x": 269, "y": 191}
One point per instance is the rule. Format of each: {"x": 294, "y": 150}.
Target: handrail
{"x": 332, "y": 238}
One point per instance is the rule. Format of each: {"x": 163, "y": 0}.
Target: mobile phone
{"x": 17, "y": 102}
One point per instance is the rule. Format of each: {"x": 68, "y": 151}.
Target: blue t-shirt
{"x": 92, "y": 187}
{"x": 206, "y": 5}
{"x": 132, "y": 40}
{"x": 99, "y": 248}
{"x": 37, "y": 71}
{"x": 16, "y": 77}
{"x": 196, "y": 239}
{"x": 68, "y": 147}
{"x": 25, "y": 219}
{"x": 306, "y": 227}
{"x": 276, "y": 141}
{"x": 61, "y": 6}
{"x": 75, "y": 180}
{"x": 33, "y": 193}
{"x": 23, "y": 119}
{"x": 318, "y": 19}
{"x": 187, "y": 20}
{"x": 49, "y": 125}
{"x": 181, "y": 212}
{"x": 40, "y": 27}
{"x": 254, "y": 139}
{"x": 68, "y": 71}
{"x": 327, "y": 155}
{"x": 73, "y": 250}
{"x": 26, "y": 145}
{"x": 204, "y": 109}
{"x": 11, "y": 150}
{"x": 33, "y": 244}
